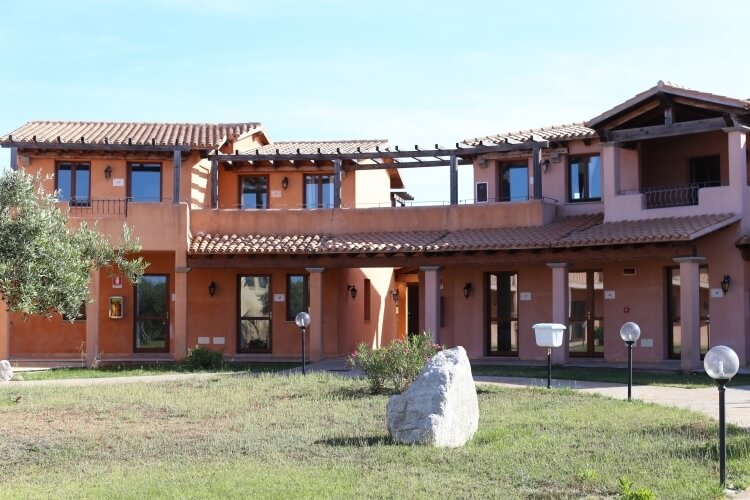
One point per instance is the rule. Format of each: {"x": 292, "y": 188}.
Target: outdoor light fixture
{"x": 725, "y": 283}
{"x": 629, "y": 332}
{"x": 285, "y": 183}
{"x": 721, "y": 363}
{"x": 303, "y": 321}
{"x": 467, "y": 290}
{"x": 549, "y": 335}
{"x": 212, "y": 289}
{"x": 107, "y": 172}
{"x": 352, "y": 291}
{"x": 394, "y": 295}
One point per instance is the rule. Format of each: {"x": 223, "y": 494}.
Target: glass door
{"x": 254, "y": 333}
{"x": 586, "y": 295}
{"x": 674, "y": 330}
{"x": 152, "y": 314}
{"x": 502, "y": 314}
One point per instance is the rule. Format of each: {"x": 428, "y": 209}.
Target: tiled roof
{"x": 743, "y": 241}
{"x": 199, "y": 135}
{"x": 312, "y": 147}
{"x": 557, "y": 133}
{"x": 568, "y": 232}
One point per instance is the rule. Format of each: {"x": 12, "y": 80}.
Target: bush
{"x": 628, "y": 492}
{"x": 201, "y": 358}
{"x": 399, "y": 363}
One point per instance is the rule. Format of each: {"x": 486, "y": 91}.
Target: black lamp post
{"x": 629, "y": 332}
{"x": 303, "y": 321}
{"x": 721, "y": 363}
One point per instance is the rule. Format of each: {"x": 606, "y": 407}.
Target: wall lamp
{"x": 212, "y": 289}
{"x": 394, "y": 295}
{"x": 352, "y": 291}
{"x": 467, "y": 290}
{"x": 725, "y": 283}
{"x": 285, "y": 183}
{"x": 107, "y": 172}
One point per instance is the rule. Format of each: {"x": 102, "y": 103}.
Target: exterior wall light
{"x": 467, "y": 290}
{"x": 285, "y": 183}
{"x": 395, "y": 295}
{"x": 352, "y": 291}
{"x": 212, "y": 289}
{"x": 107, "y": 172}
{"x": 721, "y": 363}
{"x": 629, "y": 333}
{"x": 303, "y": 321}
{"x": 725, "y": 283}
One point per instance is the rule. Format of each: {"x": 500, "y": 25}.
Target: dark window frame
{"x": 137, "y": 317}
{"x": 73, "y": 166}
{"x": 705, "y": 170}
{"x": 587, "y": 183}
{"x": 139, "y": 164}
{"x": 508, "y": 166}
{"x": 320, "y": 185}
{"x": 265, "y": 198}
{"x": 240, "y": 318}
{"x": 290, "y": 315}
{"x": 509, "y": 318}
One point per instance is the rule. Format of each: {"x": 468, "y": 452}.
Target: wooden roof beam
{"x": 659, "y": 131}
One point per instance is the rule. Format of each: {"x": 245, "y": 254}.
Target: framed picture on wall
{"x": 481, "y": 192}
{"x": 116, "y": 307}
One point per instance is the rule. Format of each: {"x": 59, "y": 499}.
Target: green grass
{"x": 132, "y": 370}
{"x": 620, "y": 376}
{"x": 322, "y": 436}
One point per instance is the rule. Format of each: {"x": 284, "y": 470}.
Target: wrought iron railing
{"x": 99, "y": 206}
{"x": 673, "y": 196}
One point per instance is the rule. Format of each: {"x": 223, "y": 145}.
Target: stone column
{"x": 610, "y": 170}
{"x": 315, "y": 330}
{"x": 432, "y": 301}
{"x": 92, "y": 319}
{"x": 737, "y": 163}
{"x": 180, "y": 306}
{"x": 560, "y": 308}
{"x": 690, "y": 313}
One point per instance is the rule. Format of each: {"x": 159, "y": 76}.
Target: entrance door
{"x": 254, "y": 329}
{"x": 152, "y": 314}
{"x": 674, "y": 330}
{"x": 412, "y": 308}
{"x": 501, "y": 319}
{"x": 586, "y": 290}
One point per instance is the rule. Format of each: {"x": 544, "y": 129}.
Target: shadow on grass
{"x": 359, "y": 393}
{"x": 359, "y": 442}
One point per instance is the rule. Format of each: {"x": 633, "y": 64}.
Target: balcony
{"x": 95, "y": 207}
{"x": 674, "y": 196}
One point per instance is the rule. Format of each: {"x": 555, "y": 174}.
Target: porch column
{"x": 560, "y": 308}
{"x": 336, "y": 183}
{"x": 180, "y": 306}
{"x": 454, "y": 179}
{"x": 737, "y": 163}
{"x": 92, "y": 319}
{"x": 690, "y": 313}
{"x": 315, "y": 330}
{"x": 432, "y": 301}
{"x": 4, "y": 332}
{"x": 610, "y": 170}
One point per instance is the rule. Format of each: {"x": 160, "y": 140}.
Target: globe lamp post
{"x": 629, "y": 332}
{"x": 303, "y": 321}
{"x": 721, "y": 364}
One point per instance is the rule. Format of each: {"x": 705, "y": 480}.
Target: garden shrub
{"x": 201, "y": 358}
{"x": 628, "y": 492}
{"x": 398, "y": 364}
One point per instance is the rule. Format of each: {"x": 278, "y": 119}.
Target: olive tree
{"x": 45, "y": 263}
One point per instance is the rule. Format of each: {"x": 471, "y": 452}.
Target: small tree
{"x": 45, "y": 264}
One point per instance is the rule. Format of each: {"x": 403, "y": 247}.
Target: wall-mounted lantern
{"x": 107, "y": 172}
{"x": 352, "y": 291}
{"x": 395, "y": 295}
{"x": 467, "y": 290}
{"x": 285, "y": 183}
{"x": 725, "y": 283}
{"x": 212, "y": 289}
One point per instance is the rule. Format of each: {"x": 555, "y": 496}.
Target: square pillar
{"x": 315, "y": 330}
{"x": 4, "y": 331}
{"x": 737, "y": 163}
{"x": 432, "y": 301}
{"x": 180, "y": 307}
{"x": 690, "y": 313}
{"x": 560, "y": 308}
{"x": 92, "y": 319}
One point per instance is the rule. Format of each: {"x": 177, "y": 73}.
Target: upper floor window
{"x": 705, "y": 171}
{"x": 73, "y": 183}
{"x": 514, "y": 182}
{"x": 585, "y": 178}
{"x": 144, "y": 183}
{"x": 319, "y": 191}
{"x": 254, "y": 191}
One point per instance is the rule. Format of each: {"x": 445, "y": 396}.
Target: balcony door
{"x": 586, "y": 294}
{"x": 514, "y": 182}
{"x": 152, "y": 314}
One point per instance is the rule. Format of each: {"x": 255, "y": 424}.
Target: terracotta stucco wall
{"x": 664, "y": 162}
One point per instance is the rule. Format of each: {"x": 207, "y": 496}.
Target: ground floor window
{"x": 296, "y": 295}
{"x": 501, "y": 324}
{"x": 674, "y": 329}
{"x": 586, "y": 295}
{"x": 152, "y": 313}
{"x": 254, "y": 330}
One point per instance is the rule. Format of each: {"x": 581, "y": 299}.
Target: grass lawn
{"x": 322, "y": 436}
{"x": 132, "y": 370}
{"x": 617, "y": 375}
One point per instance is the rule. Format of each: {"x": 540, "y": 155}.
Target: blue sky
{"x": 419, "y": 72}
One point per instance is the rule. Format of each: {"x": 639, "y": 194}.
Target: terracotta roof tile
{"x": 311, "y": 147}
{"x": 743, "y": 241}
{"x": 556, "y": 133}
{"x": 199, "y": 135}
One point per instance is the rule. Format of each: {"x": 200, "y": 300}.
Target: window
{"x": 502, "y": 313}
{"x": 254, "y": 332}
{"x": 152, "y": 313}
{"x": 585, "y": 177}
{"x": 79, "y": 317}
{"x": 145, "y": 182}
{"x": 253, "y": 191}
{"x": 73, "y": 181}
{"x": 514, "y": 182}
{"x": 366, "y": 301}
{"x": 705, "y": 171}
{"x": 296, "y": 295}
{"x": 319, "y": 191}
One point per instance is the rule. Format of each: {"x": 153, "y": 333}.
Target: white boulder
{"x": 440, "y": 408}
{"x": 6, "y": 371}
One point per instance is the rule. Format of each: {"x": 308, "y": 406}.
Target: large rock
{"x": 440, "y": 408}
{"x": 6, "y": 371}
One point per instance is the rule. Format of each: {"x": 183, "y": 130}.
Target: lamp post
{"x": 549, "y": 335}
{"x": 721, "y": 363}
{"x": 629, "y": 332}
{"x": 303, "y": 321}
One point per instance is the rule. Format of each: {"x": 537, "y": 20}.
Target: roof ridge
{"x": 327, "y": 141}
{"x": 117, "y": 122}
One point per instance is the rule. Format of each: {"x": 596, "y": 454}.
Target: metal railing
{"x": 673, "y": 196}
{"x": 98, "y": 206}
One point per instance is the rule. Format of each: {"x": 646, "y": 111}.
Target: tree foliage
{"x": 45, "y": 264}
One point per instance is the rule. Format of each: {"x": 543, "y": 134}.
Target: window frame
{"x": 74, "y": 166}
{"x": 508, "y": 166}
{"x": 319, "y": 185}
{"x": 290, "y": 316}
{"x": 266, "y": 198}
{"x": 510, "y": 318}
{"x": 166, "y": 318}
{"x": 240, "y": 317}
{"x": 569, "y": 178}
{"x": 130, "y": 180}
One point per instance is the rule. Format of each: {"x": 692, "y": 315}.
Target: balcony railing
{"x": 673, "y": 196}
{"x": 99, "y": 206}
